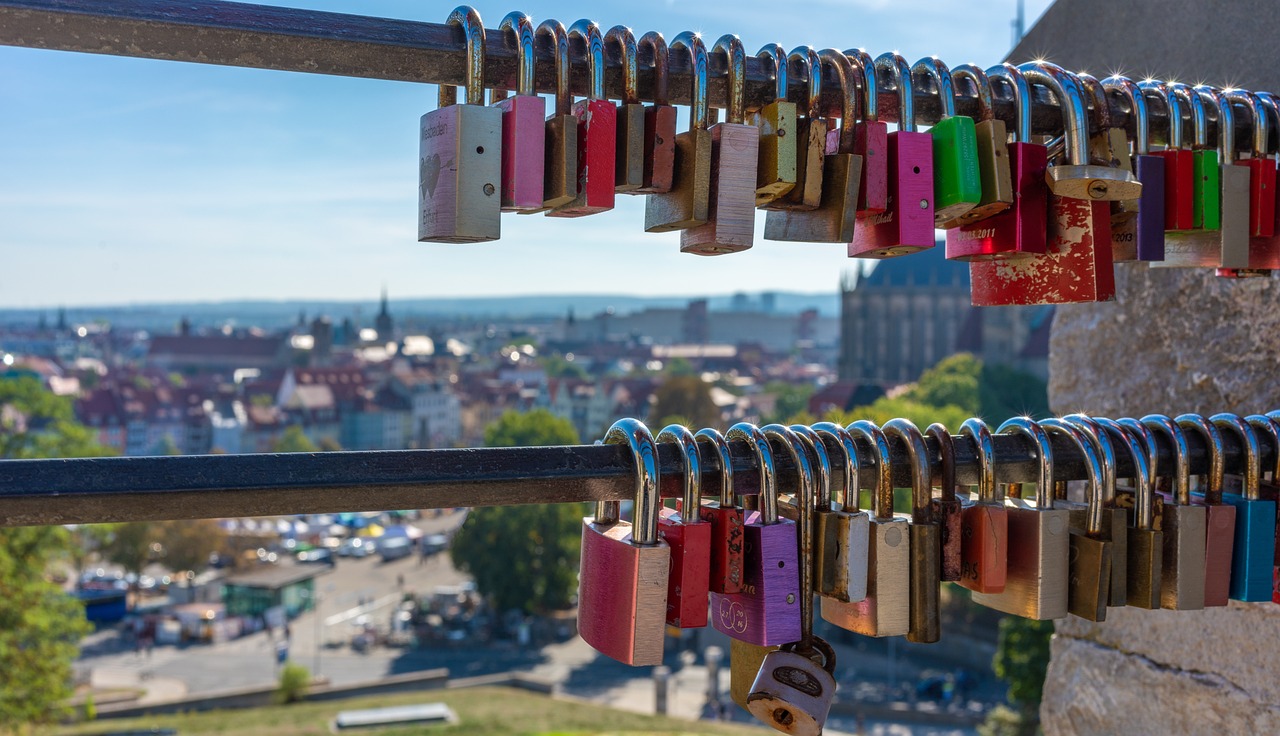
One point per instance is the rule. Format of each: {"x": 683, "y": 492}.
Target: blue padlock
{"x": 1253, "y": 558}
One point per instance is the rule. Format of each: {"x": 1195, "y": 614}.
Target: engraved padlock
{"x": 886, "y": 609}
{"x": 1115, "y": 518}
{"x": 906, "y": 225}
{"x": 1088, "y": 582}
{"x": 689, "y": 538}
{"x": 460, "y": 154}
{"x": 776, "y": 173}
{"x": 622, "y": 586}
{"x": 994, "y": 173}
{"x": 984, "y": 522}
{"x": 524, "y": 125}
{"x": 725, "y": 517}
{"x": 731, "y": 216}
{"x": 871, "y": 140}
{"x": 1022, "y": 229}
{"x": 597, "y": 132}
{"x": 629, "y": 140}
{"x": 1182, "y": 523}
{"x": 843, "y": 533}
{"x": 792, "y": 693}
{"x": 926, "y": 537}
{"x": 1036, "y": 583}
{"x": 767, "y": 609}
{"x": 685, "y": 204}
{"x": 833, "y": 220}
{"x": 945, "y": 506}
{"x": 957, "y": 183}
{"x": 1144, "y": 552}
{"x": 659, "y": 123}
{"x": 810, "y": 137}
{"x": 1253, "y": 556}
{"x": 1220, "y": 517}
{"x": 1143, "y": 238}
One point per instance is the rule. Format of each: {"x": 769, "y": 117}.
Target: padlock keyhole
{"x": 783, "y": 717}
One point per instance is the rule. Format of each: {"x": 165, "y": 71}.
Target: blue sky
{"x": 131, "y": 181}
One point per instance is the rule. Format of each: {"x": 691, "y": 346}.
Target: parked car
{"x": 434, "y": 543}
{"x": 357, "y": 547}
{"x": 320, "y": 555}
{"x": 395, "y": 548}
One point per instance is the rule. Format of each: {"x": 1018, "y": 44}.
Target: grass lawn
{"x": 487, "y": 711}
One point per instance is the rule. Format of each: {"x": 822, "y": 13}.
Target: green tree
{"x": 295, "y": 680}
{"x": 952, "y": 382}
{"x": 558, "y": 367}
{"x": 131, "y": 545}
{"x": 40, "y": 627}
{"x": 1022, "y": 659}
{"x": 885, "y": 408}
{"x": 51, "y": 428}
{"x": 294, "y": 440}
{"x": 791, "y": 400}
{"x": 165, "y": 446}
{"x": 185, "y": 544}
{"x": 523, "y": 557}
{"x": 686, "y": 398}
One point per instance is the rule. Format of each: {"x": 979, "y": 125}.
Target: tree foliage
{"x": 523, "y": 557}
{"x": 294, "y": 440}
{"x": 40, "y": 627}
{"x": 686, "y": 398}
{"x": 791, "y": 401}
{"x": 51, "y": 429}
{"x": 1022, "y": 658}
{"x": 185, "y": 544}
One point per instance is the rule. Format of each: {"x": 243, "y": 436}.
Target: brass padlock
{"x": 1109, "y": 147}
{"x": 1182, "y": 523}
{"x": 744, "y": 664}
{"x": 560, "y": 171}
{"x": 843, "y": 533}
{"x": 1115, "y": 520}
{"x": 926, "y": 537}
{"x": 946, "y": 506}
{"x": 628, "y": 171}
{"x": 993, "y": 152}
{"x": 776, "y": 174}
{"x": 1145, "y": 551}
{"x": 687, "y": 204}
{"x": 811, "y": 138}
{"x": 1091, "y": 571}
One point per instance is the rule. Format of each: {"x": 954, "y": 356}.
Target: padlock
{"x": 886, "y": 611}
{"x": 524, "y": 125}
{"x": 1179, "y": 161}
{"x": 744, "y": 664}
{"x": 1262, "y": 169}
{"x": 1145, "y": 549}
{"x": 994, "y": 172}
{"x": 725, "y": 517}
{"x": 689, "y": 198}
{"x": 1115, "y": 519}
{"x": 1144, "y": 239}
{"x": 1036, "y": 582}
{"x": 735, "y": 148}
{"x": 810, "y": 137}
{"x": 460, "y": 154}
{"x": 1207, "y": 209}
{"x": 984, "y": 524}
{"x": 871, "y": 140}
{"x": 689, "y": 538}
{"x": 1183, "y": 526}
{"x": 792, "y": 693}
{"x": 1235, "y": 194}
{"x": 1271, "y": 103}
{"x": 622, "y": 586}
{"x": 1220, "y": 517}
{"x": 1091, "y": 571}
{"x": 1269, "y": 484}
{"x": 946, "y": 507}
{"x": 926, "y": 537}
{"x": 843, "y": 534}
{"x": 560, "y": 167}
{"x": 776, "y": 173}
{"x": 659, "y": 123}
{"x": 767, "y": 609}
{"x": 957, "y": 184}
{"x": 597, "y": 132}
{"x": 1254, "y": 555}
{"x": 906, "y": 225}
{"x": 630, "y": 139}
{"x": 1264, "y": 252}
{"x": 833, "y": 220}
{"x": 1110, "y": 147}
{"x": 1077, "y": 178}
{"x": 1021, "y": 230}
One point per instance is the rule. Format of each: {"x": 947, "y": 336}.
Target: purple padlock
{"x": 767, "y": 610}
{"x": 1149, "y": 230}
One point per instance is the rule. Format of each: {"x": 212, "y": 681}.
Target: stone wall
{"x": 1177, "y": 341}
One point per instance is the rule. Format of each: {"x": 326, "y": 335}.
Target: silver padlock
{"x": 792, "y": 692}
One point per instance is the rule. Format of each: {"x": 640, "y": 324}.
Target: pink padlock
{"x": 524, "y": 126}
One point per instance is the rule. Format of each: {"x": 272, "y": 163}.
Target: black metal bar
{"x": 287, "y": 39}
{"x": 95, "y": 490}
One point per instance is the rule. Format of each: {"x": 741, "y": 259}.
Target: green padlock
{"x": 957, "y": 181}
{"x": 1206, "y": 193}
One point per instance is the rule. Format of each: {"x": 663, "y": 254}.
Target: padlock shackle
{"x": 692, "y": 42}
{"x": 893, "y": 66}
{"x": 946, "y": 461}
{"x": 812, "y": 66}
{"x": 468, "y": 19}
{"x": 1028, "y": 428}
{"x": 1163, "y": 425}
{"x": 798, "y": 445}
{"x": 882, "y": 498}
{"x": 751, "y": 434}
{"x": 1128, "y": 89}
{"x": 692, "y": 482}
{"x": 1199, "y": 119}
{"x": 736, "y": 79}
{"x": 934, "y": 71}
{"x": 849, "y": 497}
{"x": 1217, "y": 452}
{"x": 1144, "y": 435}
{"x": 778, "y": 56}
{"x": 1252, "y": 451}
{"x": 1088, "y": 447}
{"x": 711, "y": 436}
{"x": 821, "y": 465}
{"x": 974, "y": 75}
{"x": 1099, "y": 111}
{"x": 989, "y": 492}
{"x": 1144, "y": 501}
{"x": 560, "y": 49}
{"x": 1271, "y": 427}
{"x": 644, "y": 525}
{"x": 1105, "y": 449}
{"x": 921, "y": 477}
{"x": 1173, "y": 109}
{"x": 660, "y": 57}
{"x": 521, "y": 25}
{"x": 1261, "y": 126}
{"x": 1226, "y": 121}
{"x": 586, "y": 30}
{"x": 1067, "y": 89}
{"x": 629, "y": 53}
{"x": 845, "y": 75}
{"x": 1272, "y": 104}
{"x": 870, "y": 96}
{"x": 1020, "y": 92}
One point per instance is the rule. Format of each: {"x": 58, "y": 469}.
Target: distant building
{"x": 435, "y": 412}
{"x": 383, "y": 322}
{"x": 217, "y": 353}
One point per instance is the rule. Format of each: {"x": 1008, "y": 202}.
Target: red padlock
{"x": 984, "y": 524}
{"x": 726, "y": 519}
{"x": 689, "y": 538}
{"x": 871, "y": 140}
{"x": 659, "y": 123}
{"x": 907, "y": 225}
{"x": 524, "y": 126}
{"x": 1262, "y": 169}
{"x": 597, "y": 133}
{"x": 1179, "y": 162}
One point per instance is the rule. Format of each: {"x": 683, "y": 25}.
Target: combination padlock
{"x": 524, "y": 125}
{"x": 689, "y": 538}
{"x": 725, "y": 517}
{"x": 984, "y": 523}
{"x": 1182, "y": 523}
